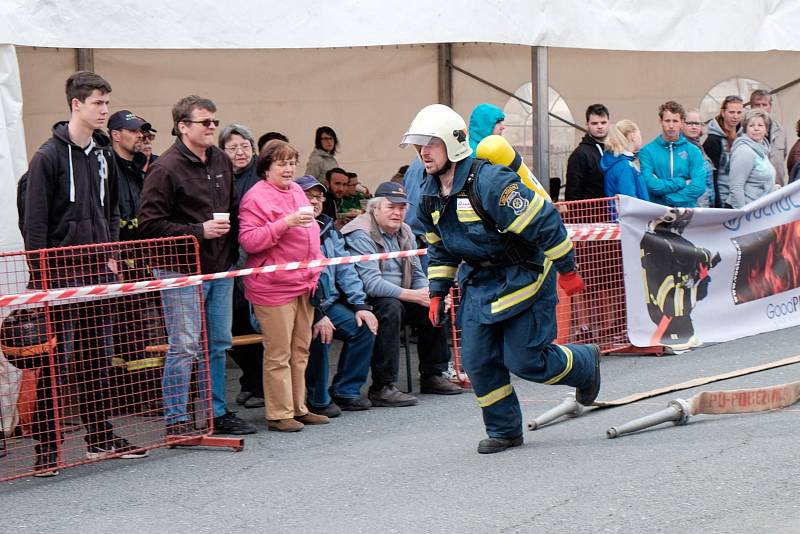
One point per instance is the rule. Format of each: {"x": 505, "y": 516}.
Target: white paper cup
{"x": 307, "y": 209}
{"x": 218, "y": 216}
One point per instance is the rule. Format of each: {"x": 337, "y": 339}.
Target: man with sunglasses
{"x": 189, "y": 191}
{"x": 148, "y": 136}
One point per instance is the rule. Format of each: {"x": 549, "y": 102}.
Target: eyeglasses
{"x": 233, "y": 149}
{"x": 732, "y": 98}
{"x": 317, "y": 197}
{"x": 205, "y": 122}
{"x": 149, "y": 136}
{"x": 693, "y": 123}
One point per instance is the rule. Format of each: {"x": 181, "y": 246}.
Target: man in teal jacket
{"x": 673, "y": 168}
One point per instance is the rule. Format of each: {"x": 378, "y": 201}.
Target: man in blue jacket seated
{"x": 673, "y": 168}
{"x": 398, "y": 292}
{"x": 505, "y": 243}
{"x": 340, "y": 311}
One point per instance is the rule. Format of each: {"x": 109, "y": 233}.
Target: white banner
{"x": 707, "y": 275}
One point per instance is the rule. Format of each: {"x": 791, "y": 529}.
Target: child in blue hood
{"x": 486, "y": 120}
{"x": 619, "y": 164}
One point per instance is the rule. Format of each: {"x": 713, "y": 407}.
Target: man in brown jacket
{"x": 189, "y": 191}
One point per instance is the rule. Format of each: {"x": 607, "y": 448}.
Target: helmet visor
{"x": 415, "y": 139}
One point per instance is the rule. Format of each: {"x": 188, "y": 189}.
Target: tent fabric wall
{"x": 678, "y": 25}
{"x": 13, "y": 161}
{"x": 370, "y": 94}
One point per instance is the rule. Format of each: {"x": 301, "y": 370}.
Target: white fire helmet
{"x": 440, "y": 121}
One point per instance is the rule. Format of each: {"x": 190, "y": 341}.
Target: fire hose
{"x": 679, "y": 409}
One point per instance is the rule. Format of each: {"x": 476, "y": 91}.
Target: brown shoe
{"x": 312, "y": 419}
{"x": 284, "y": 425}
{"x": 391, "y": 397}
{"x": 439, "y": 385}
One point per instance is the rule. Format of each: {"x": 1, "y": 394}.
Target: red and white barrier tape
{"x": 593, "y": 232}
{"x": 107, "y": 290}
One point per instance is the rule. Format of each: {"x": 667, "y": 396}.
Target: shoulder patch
{"x": 506, "y": 193}
{"x": 517, "y": 202}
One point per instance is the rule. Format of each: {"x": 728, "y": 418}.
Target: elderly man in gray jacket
{"x": 398, "y": 292}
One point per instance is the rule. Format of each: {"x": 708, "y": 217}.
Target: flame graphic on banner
{"x": 769, "y": 262}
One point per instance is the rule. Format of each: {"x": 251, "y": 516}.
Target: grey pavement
{"x": 416, "y": 469}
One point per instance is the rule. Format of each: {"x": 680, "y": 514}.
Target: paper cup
{"x": 307, "y": 209}
{"x": 218, "y": 216}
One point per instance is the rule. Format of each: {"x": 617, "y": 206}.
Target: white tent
{"x": 680, "y": 25}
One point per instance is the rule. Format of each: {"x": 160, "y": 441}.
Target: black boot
{"x": 493, "y": 445}
{"x": 586, "y": 395}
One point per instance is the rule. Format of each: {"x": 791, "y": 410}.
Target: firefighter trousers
{"x": 522, "y": 345}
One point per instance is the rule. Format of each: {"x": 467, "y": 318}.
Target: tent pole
{"x": 84, "y": 59}
{"x": 540, "y": 120}
{"x": 445, "y": 56}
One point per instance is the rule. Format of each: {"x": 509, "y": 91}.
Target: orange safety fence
{"x": 598, "y": 314}
{"x": 84, "y": 379}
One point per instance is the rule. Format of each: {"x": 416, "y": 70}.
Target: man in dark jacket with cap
{"x": 71, "y": 199}
{"x": 585, "y": 180}
{"x": 126, "y": 131}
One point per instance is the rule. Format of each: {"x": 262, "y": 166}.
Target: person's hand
{"x": 366, "y": 316}
{"x": 437, "y": 313}
{"x": 448, "y": 302}
{"x": 571, "y": 283}
{"x": 421, "y": 296}
{"x": 215, "y": 228}
{"x": 324, "y": 329}
{"x": 299, "y": 219}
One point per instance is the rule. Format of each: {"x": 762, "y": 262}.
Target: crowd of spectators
{"x": 244, "y": 203}
{"x": 742, "y": 157}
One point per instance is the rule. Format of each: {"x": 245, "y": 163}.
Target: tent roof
{"x": 649, "y": 25}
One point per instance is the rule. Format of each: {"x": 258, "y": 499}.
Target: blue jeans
{"x": 354, "y": 359}
{"x": 184, "y": 335}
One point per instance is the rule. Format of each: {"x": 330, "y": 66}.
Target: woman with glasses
{"x": 238, "y": 143}
{"x": 276, "y": 226}
{"x": 693, "y": 132}
{"x": 722, "y": 132}
{"x": 752, "y": 174}
{"x": 322, "y": 159}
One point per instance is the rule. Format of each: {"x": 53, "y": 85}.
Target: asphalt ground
{"x": 416, "y": 469}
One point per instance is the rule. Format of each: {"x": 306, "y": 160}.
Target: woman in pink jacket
{"x": 277, "y": 226}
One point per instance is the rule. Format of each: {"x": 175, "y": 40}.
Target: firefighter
{"x": 504, "y": 243}
{"x": 676, "y": 277}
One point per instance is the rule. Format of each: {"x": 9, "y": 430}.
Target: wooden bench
{"x": 249, "y": 339}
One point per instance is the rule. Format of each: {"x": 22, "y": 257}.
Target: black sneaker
{"x": 46, "y": 464}
{"x": 330, "y": 411}
{"x": 230, "y": 424}
{"x": 493, "y": 445}
{"x": 587, "y": 395}
{"x": 352, "y": 405}
{"x": 118, "y": 447}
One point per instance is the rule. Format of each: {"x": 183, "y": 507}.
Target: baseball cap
{"x": 308, "y": 181}
{"x": 147, "y": 126}
{"x": 393, "y": 191}
{"x": 125, "y": 120}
